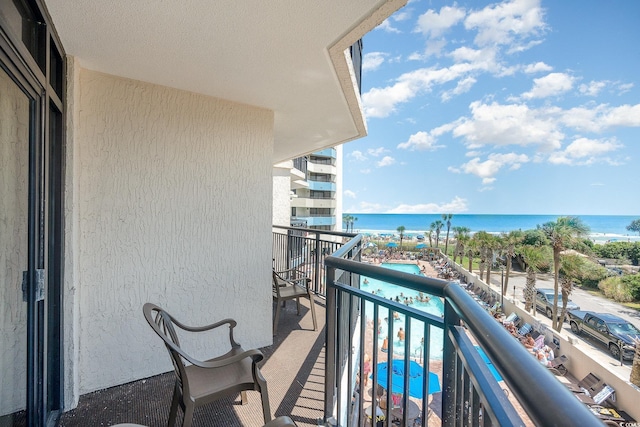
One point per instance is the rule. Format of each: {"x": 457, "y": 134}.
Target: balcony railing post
{"x": 449, "y": 400}
{"x": 317, "y": 265}
{"x": 330, "y": 340}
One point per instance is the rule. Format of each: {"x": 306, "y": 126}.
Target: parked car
{"x": 544, "y": 302}
{"x": 613, "y": 331}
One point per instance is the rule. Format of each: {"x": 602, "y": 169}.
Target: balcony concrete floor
{"x": 293, "y": 367}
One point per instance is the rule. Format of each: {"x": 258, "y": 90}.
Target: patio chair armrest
{"x": 232, "y": 324}
{"x": 286, "y": 274}
{"x": 254, "y": 354}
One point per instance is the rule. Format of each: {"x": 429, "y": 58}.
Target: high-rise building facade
{"x": 319, "y": 205}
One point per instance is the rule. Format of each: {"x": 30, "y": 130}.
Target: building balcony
{"x": 315, "y": 376}
{"x": 315, "y": 221}
{"x": 322, "y": 186}
{"x": 327, "y": 152}
{"x": 302, "y": 202}
{"x": 320, "y": 168}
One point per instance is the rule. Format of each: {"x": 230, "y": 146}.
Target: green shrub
{"x": 591, "y": 275}
{"x": 632, "y": 282}
{"x": 615, "y": 289}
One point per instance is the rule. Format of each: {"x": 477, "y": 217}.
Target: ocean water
{"x": 602, "y": 227}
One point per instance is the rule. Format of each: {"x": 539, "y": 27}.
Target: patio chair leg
{"x": 188, "y": 415}
{"x": 173, "y": 411}
{"x": 312, "y": 303}
{"x": 298, "y": 305}
{"x": 275, "y": 320}
{"x": 266, "y": 408}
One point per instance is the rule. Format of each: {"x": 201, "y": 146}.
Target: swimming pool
{"x": 433, "y": 306}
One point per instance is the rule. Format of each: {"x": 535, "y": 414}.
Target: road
{"x": 587, "y": 302}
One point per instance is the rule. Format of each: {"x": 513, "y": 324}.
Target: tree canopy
{"x": 634, "y": 226}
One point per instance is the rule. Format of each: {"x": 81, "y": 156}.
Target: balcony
{"x": 304, "y": 202}
{"x": 312, "y": 376}
{"x": 329, "y": 152}
{"x": 314, "y": 221}
{"x": 322, "y": 186}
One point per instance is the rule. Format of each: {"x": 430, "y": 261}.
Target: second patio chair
{"x": 202, "y": 382}
{"x": 291, "y": 284}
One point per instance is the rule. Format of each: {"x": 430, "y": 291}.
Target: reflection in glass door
{"x": 15, "y": 121}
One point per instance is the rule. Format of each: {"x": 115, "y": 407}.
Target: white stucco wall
{"x": 172, "y": 196}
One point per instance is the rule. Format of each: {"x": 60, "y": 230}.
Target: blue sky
{"x": 513, "y": 107}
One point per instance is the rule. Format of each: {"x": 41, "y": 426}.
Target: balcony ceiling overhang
{"x": 286, "y": 56}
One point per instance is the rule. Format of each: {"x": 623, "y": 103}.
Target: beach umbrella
{"x": 421, "y": 245}
{"x": 416, "y": 378}
{"x": 392, "y": 245}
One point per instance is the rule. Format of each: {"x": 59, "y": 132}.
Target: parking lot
{"x": 587, "y": 302}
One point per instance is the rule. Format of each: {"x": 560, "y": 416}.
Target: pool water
{"x": 434, "y": 306}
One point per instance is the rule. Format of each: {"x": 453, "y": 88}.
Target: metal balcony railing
{"x": 471, "y": 394}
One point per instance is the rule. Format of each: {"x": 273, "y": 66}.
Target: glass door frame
{"x": 40, "y": 73}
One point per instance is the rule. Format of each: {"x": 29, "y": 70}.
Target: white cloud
{"x": 365, "y": 171}
{"x": 456, "y": 205}
{"x": 593, "y": 88}
{"x": 381, "y": 102}
{"x": 510, "y": 124}
{"x": 584, "y": 151}
{"x": 463, "y": 86}
{"x": 357, "y": 154}
{"x": 550, "y": 85}
{"x": 349, "y": 193}
{"x": 538, "y": 67}
{"x": 624, "y": 115}
{"x": 371, "y": 61}
{"x": 434, "y": 24}
{"x": 625, "y": 87}
{"x": 366, "y": 207}
{"x": 420, "y": 141}
{"x": 377, "y": 152}
{"x": 387, "y": 27}
{"x": 489, "y": 168}
{"x": 507, "y": 23}
{"x": 600, "y": 117}
{"x": 386, "y": 161}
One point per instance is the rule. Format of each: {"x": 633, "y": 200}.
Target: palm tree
{"x": 510, "y": 241}
{"x": 561, "y": 233}
{"x": 437, "y": 226}
{"x": 353, "y": 220}
{"x": 447, "y": 219}
{"x": 482, "y": 242}
{"x": 472, "y": 246}
{"x": 432, "y": 228}
{"x": 534, "y": 257}
{"x": 571, "y": 267}
{"x": 346, "y": 219}
{"x": 635, "y": 367}
{"x": 401, "y": 231}
{"x": 461, "y": 234}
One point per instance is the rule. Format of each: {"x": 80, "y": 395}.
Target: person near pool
{"x": 385, "y": 345}
{"x": 401, "y": 334}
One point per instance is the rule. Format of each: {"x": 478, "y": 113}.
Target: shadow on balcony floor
{"x": 294, "y": 369}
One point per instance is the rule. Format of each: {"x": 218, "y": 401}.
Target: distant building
{"x": 318, "y": 204}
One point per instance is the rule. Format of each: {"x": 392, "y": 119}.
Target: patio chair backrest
{"x": 604, "y": 394}
{"x": 525, "y": 329}
{"x": 512, "y": 317}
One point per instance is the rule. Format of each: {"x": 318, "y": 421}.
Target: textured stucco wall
{"x": 173, "y": 198}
